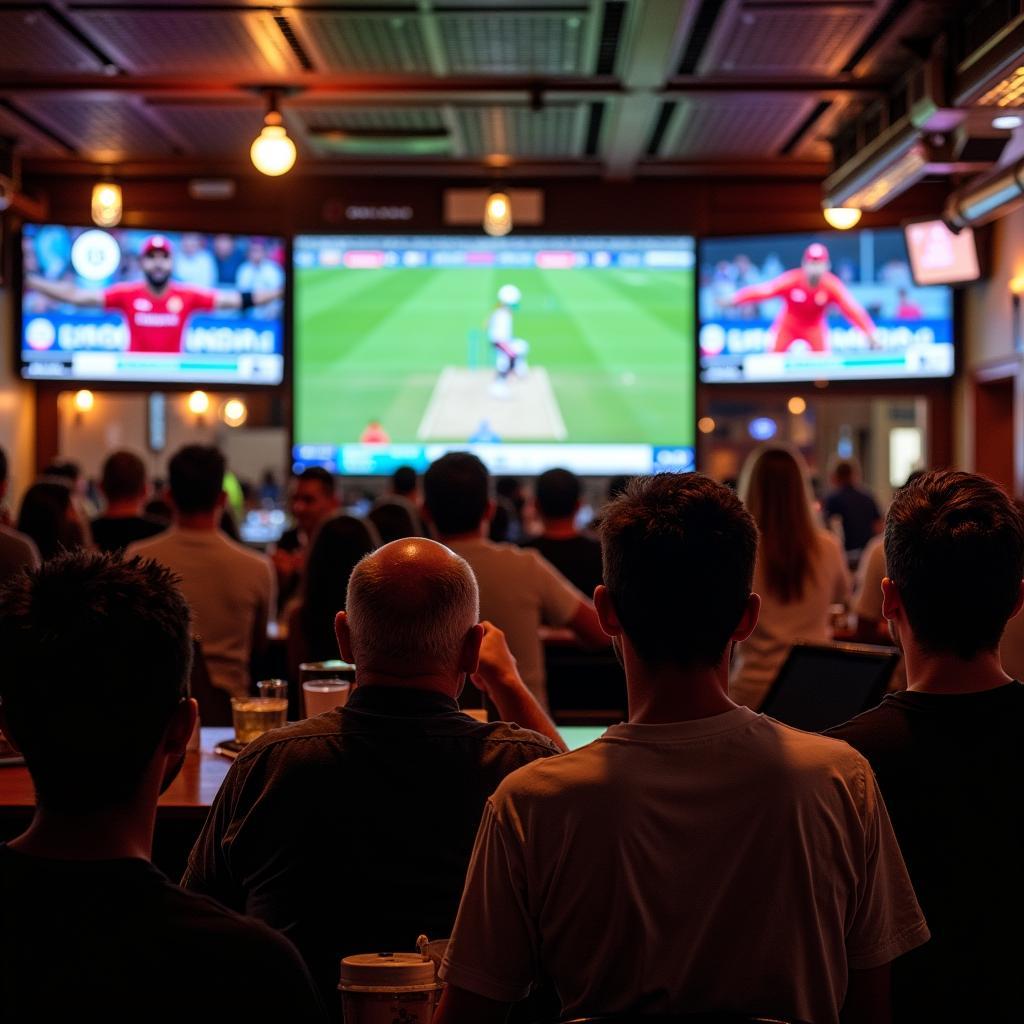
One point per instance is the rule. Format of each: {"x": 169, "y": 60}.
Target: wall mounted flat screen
{"x": 941, "y": 256}
{"x": 151, "y": 307}
{"x": 828, "y": 306}
{"x": 532, "y": 352}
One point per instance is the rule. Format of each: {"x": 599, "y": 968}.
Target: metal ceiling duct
{"x": 987, "y": 197}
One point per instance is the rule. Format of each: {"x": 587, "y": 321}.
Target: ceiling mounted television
{"x": 825, "y": 306}
{"x": 127, "y": 305}
{"x": 940, "y": 256}
{"x": 531, "y": 352}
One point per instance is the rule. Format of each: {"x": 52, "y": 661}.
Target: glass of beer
{"x": 253, "y": 716}
{"x": 325, "y": 685}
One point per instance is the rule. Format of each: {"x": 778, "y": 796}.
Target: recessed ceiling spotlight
{"x": 1007, "y": 122}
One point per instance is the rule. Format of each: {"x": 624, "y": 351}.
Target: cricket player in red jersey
{"x": 807, "y": 293}
{"x": 156, "y": 309}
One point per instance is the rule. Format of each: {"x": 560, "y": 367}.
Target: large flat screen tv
{"x": 828, "y": 306}
{"x": 531, "y": 352}
{"x": 151, "y": 306}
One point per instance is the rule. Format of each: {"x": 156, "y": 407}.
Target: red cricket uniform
{"x": 156, "y": 322}
{"x": 803, "y": 315}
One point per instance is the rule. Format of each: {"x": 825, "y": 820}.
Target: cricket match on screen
{"x": 531, "y": 352}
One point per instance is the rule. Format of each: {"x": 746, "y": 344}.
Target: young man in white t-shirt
{"x": 520, "y": 591}
{"x": 700, "y": 857}
{"x": 230, "y": 589}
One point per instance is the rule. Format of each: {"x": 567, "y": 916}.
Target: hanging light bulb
{"x": 106, "y": 204}
{"x": 272, "y": 152}
{"x": 842, "y": 218}
{"x": 498, "y": 214}
{"x": 84, "y": 400}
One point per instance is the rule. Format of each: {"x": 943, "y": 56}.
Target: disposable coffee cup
{"x": 381, "y": 988}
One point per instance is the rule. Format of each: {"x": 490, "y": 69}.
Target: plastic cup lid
{"x": 387, "y": 969}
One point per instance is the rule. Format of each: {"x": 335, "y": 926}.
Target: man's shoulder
{"x": 526, "y": 742}
{"x": 18, "y": 543}
{"x": 877, "y": 728}
{"x": 153, "y": 546}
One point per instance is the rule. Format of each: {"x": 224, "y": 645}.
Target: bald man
{"x": 352, "y": 832}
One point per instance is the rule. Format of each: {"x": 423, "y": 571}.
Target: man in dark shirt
{"x": 949, "y": 751}
{"x": 124, "y": 487}
{"x": 97, "y": 654}
{"x": 351, "y": 832}
{"x": 857, "y": 509}
{"x": 576, "y": 557}
{"x": 312, "y": 501}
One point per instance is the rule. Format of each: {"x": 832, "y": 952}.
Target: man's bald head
{"x": 410, "y": 606}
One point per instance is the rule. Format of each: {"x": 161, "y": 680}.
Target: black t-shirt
{"x": 352, "y": 832}
{"x": 116, "y": 941}
{"x": 578, "y": 559}
{"x": 115, "y": 534}
{"x": 859, "y": 513}
{"x": 951, "y": 769}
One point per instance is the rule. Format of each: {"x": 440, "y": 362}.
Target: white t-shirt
{"x": 520, "y": 591}
{"x": 760, "y": 656}
{"x": 230, "y": 590}
{"x": 499, "y": 326}
{"x": 727, "y": 863}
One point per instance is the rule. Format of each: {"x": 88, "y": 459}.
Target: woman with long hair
{"x": 801, "y": 570}
{"x": 338, "y": 544}
{"x": 48, "y": 515}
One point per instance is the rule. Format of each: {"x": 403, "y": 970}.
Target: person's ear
{"x": 606, "y": 613}
{"x": 344, "y": 635}
{"x": 179, "y": 729}
{"x": 748, "y": 620}
{"x": 492, "y": 508}
{"x": 892, "y": 602}
{"x": 1019, "y": 602}
{"x": 222, "y": 500}
{"x": 469, "y": 658}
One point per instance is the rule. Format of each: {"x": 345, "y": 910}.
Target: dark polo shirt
{"x": 352, "y": 832}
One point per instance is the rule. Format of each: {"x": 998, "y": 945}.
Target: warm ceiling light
{"x": 796, "y": 405}
{"x": 842, "y": 218}
{"x": 1007, "y": 122}
{"x": 198, "y": 403}
{"x": 705, "y": 424}
{"x": 272, "y": 152}
{"x": 234, "y": 412}
{"x": 84, "y": 400}
{"x": 498, "y": 214}
{"x": 1017, "y": 285}
{"x": 106, "y": 204}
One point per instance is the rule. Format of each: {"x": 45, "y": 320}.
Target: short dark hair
{"x": 43, "y": 516}
{"x": 558, "y": 493}
{"x": 456, "y": 491}
{"x": 64, "y": 469}
{"x": 954, "y": 547}
{"x": 844, "y": 471}
{"x": 97, "y": 656}
{"x": 196, "y": 475}
{"x": 403, "y": 480}
{"x": 124, "y": 476}
{"x": 319, "y": 475}
{"x": 679, "y": 552}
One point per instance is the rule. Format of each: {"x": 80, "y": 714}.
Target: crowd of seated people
{"x": 699, "y": 857}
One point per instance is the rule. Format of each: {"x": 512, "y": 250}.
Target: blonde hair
{"x": 774, "y": 487}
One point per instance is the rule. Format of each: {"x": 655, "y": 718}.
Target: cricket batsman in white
{"x": 509, "y": 351}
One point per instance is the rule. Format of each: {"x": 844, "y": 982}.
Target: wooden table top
{"x": 190, "y": 793}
